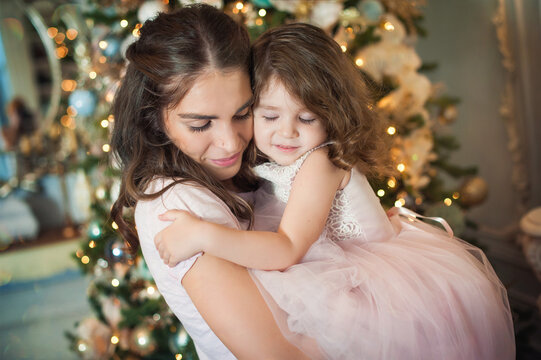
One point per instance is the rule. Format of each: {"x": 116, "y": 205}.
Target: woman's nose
{"x": 228, "y": 138}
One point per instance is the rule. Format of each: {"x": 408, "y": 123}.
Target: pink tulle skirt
{"x": 418, "y": 295}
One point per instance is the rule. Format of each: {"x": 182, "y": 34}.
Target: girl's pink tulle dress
{"x": 382, "y": 287}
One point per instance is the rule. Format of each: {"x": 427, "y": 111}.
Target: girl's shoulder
{"x": 321, "y": 150}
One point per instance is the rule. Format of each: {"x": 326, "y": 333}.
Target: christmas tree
{"x": 132, "y": 320}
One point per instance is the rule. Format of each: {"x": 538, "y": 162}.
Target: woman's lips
{"x": 285, "y": 148}
{"x": 224, "y": 162}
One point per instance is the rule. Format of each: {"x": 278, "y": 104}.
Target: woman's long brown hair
{"x": 312, "y": 66}
{"x": 171, "y": 52}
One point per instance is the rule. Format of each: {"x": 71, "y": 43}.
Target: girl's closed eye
{"x": 269, "y": 116}
{"x": 306, "y": 120}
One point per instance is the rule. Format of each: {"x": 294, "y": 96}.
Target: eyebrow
{"x": 266, "y": 106}
{"x": 196, "y": 116}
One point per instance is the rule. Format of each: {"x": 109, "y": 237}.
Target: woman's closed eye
{"x": 244, "y": 116}
{"x": 201, "y": 128}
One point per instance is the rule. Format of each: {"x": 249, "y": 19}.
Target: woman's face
{"x": 213, "y": 122}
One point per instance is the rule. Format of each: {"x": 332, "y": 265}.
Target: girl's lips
{"x": 286, "y": 149}
{"x": 224, "y": 162}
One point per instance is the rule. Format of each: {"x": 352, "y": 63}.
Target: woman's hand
{"x": 180, "y": 240}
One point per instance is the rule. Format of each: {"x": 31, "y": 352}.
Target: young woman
{"x": 183, "y": 139}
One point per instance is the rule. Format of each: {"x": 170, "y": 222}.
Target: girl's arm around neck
{"x": 310, "y": 200}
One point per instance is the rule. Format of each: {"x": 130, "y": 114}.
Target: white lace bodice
{"x": 355, "y": 212}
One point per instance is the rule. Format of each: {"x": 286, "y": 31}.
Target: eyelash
{"x": 208, "y": 124}
{"x": 304, "y": 121}
{"x": 200, "y": 128}
{"x": 243, "y": 117}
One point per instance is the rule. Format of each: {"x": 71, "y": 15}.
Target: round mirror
{"x": 30, "y": 70}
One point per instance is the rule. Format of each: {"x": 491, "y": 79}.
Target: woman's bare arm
{"x": 229, "y": 301}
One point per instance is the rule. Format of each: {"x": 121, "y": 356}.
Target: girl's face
{"x": 213, "y": 122}
{"x": 284, "y": 129}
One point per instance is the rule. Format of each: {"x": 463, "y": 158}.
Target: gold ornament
{"x": 473, "y": 191}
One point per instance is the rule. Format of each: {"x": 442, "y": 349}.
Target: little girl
{"x": 362, "y": 284}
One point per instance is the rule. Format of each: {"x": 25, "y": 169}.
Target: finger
{"x": 170, "y": 215}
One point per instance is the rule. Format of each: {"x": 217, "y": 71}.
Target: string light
{"x": 85, "y": 259}
{"x": 95, "y": 230}
{"x": 114, "y": 339}
{"x": 59, "y": 38}
{"x": 68, "y": 85}
{"x": 52, "y": 31}
{"x": 103, "y": 44}
{"x": 391, "y": 130}
{"x": 81, "y": 347}
{"x": 61, "y": 52}
{"x": 399, "y": 202}
{"x": 142, "y": 340}
{"x": 114, "y": 225}
{"x": 178, "y": 356}
{"x": 66, "y": 121}
{"x": 111, "y": 118}
{"x": 79, "y": 253}
{"x": 381, "y": 192}
{"x": 388, "y": 26}
{"x": 123, "y": 23}
{"x": 391, "y": 183}
{"x": 456, "y": 195}
{"x": 115, "y": 282}
{"x": 262, "y": 12}
{"x": 136, "y": 31}
{"x": 359, "y": 62}
{"x": 71, "y": 34}
{"x": 239, "y": 5}
{"x": 102, "y": 263}
{"x": 447, "y": 201}
{"x": 106, "y": 147}
{"x": 401, "y": 167}
{"x": 344, "y": 48}
{"x": 92, "y": 74}
{"x": 102, "y": 59}
{"x": 259, "y": 22}
{"x": 92, "y": 244}
{"x": 151, "y": 290}
{"x": 71, "y": 111}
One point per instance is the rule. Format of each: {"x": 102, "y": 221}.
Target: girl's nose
{"x": 287, "y": 129}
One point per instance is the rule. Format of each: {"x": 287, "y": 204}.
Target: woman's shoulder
{"x": 185, "y": 195}
{"x": 178, "y": 189}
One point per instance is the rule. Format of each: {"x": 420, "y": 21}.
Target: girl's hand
{"x": 180, "y": 240}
